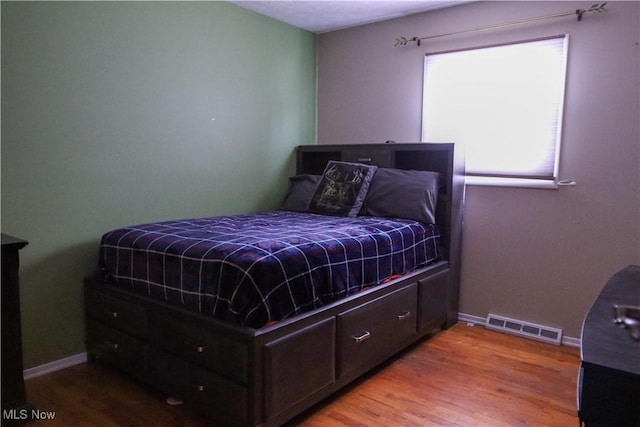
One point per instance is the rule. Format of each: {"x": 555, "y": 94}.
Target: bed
{"x": 252, "y": 319}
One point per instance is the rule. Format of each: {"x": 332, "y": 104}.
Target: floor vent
{"x": 525, "y": 329}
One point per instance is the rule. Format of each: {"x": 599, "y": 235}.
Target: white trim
{"x": 488, "y": 181}
{"x": 54, "y": 366}
{"x": 471, "y": 319}
{"x": 571, "y": 341}
{"x": 478, "y": 320}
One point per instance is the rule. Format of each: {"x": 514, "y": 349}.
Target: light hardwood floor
{"x": 465, "y": 376}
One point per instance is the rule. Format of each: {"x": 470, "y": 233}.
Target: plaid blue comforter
{"x": 256, "y": 268}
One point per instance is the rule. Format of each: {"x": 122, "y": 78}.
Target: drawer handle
{"x": 404, "y": 315}
{"x": 364, "y": 159}
{"x": 114, "y": 314}
{"x": 364, "y": 336}
{"x": 200, "y": 349}
{"x": 200, "y": 388}
{"x": 112, "y": 345}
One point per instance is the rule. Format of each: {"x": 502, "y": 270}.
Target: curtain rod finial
{"x": 403, "y": 41}
{"x": 595, "y": 8}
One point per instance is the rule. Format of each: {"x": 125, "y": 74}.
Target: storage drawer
{"x": 433, "y": 294}
{"x": 369, "y": 332}
{"x": 299, "y": 365}
{"x": 117, "y": 348}
{"x": 198, "y": 345}
{"x": 120, "y": 314}
{"x": 379, "y": 157}
{"x": 218, "y": 397}
{"x": 222, "y": 399}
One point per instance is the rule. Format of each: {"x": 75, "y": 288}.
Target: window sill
{"x": 512, "y": 182}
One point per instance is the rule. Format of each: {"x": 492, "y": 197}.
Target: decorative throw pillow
{"x": 342, "y": 189}
{"x": 301, "y": 188}
{"x": 400, "y": 193}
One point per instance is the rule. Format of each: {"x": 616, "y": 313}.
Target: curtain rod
{"x": 596, "y": 8}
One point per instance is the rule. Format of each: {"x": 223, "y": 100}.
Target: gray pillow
{"x": 399, "y": 193}
{"x": 301, "y": 189}
{"x": 342, "y": 189}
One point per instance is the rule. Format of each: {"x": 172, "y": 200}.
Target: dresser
{"x": 15, "y": 408}
{"x": 609, "y": 378}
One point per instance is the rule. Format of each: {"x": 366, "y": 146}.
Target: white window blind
{"x": 504, "y": 103}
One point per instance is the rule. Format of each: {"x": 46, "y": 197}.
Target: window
{"x": 504, "y": 103}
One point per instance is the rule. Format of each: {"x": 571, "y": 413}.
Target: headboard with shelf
{"x": 441, "y": 158}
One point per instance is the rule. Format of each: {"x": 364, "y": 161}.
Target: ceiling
{"x": 321, "y": 16}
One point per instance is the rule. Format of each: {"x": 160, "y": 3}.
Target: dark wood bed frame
{"x": 248, "y": 377}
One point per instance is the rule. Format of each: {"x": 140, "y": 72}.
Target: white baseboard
{"x": 56, "y": 365}
{"x": 471, "y": 319}
{"x": 477, "y": 320}
{"x": 571, "y": 342}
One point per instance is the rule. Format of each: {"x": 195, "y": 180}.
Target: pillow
{"x": 342, "y": 189}
{"x": 301, "y": 188}
{"x": 407, "y": 194}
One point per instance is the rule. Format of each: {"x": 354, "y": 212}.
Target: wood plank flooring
{"x": 465, "y": 376}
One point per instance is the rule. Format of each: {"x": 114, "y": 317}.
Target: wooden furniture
{"x": 244, "y": 376}
{"x": 14, "y": 403}
{"x": 609, "y": 379}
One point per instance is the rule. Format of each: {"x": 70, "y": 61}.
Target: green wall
{"x": 116, "y": 113}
